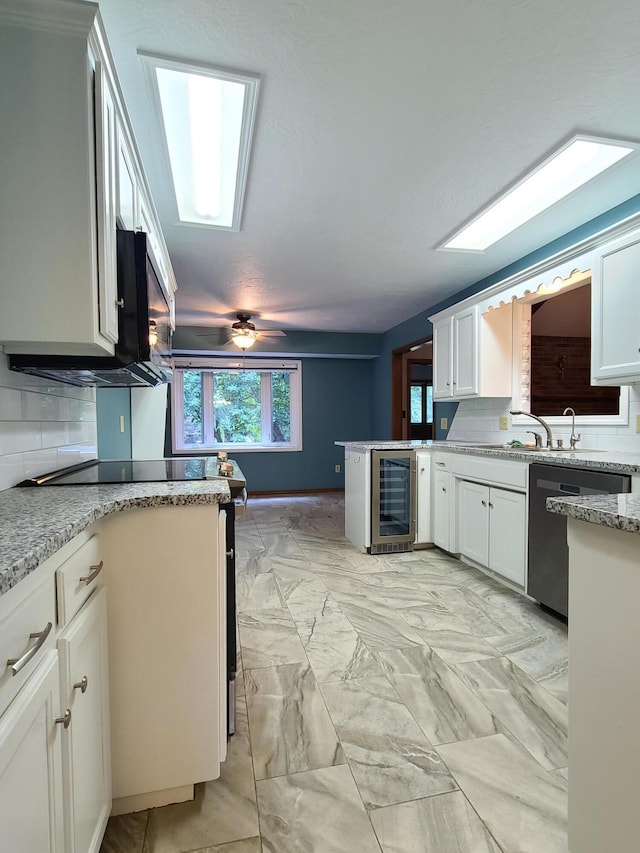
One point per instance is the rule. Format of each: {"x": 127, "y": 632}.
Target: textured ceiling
{"x": 381, "y": 128}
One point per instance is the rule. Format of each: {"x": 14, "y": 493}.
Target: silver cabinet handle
{"x": 82, "y": 685}
{"x": 229, "y": 553}
{"x": 120, "y": 302}
{"x": 40, "y": 638}
{"x": 441, "y": 464}
{"x": 490, "y": 505}
{"x": 65, "y": 719}
{"x": 93, "y": 574}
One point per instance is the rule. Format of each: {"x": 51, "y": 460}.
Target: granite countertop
{"x": 37, "y": 522}
{"x": 602, "y": 460}
{"x": 621, "y": 512}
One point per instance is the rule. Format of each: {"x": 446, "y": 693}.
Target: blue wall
{"x": 111, "y": 403}
{"x": 418, "y": 327}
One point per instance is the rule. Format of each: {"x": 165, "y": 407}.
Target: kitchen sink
{"x": 530, "y": 449}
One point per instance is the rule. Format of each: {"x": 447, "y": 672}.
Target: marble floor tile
{"x": 336, "y": 652}
{"x": 389, "y": 755}
{"x": 222, "y": 811}
{"x": 449, "y": 636}
{"x": 291, "y": 729}
{"x": 255, "y": 592}
{"x": 247, "y": 845}
{"x": 537, "y": 719}
{"x": 254, "y": 560}
{"x": 405, "y": 589}
{"x": 319, "y": 811}
{"x": 269, "y": 638}
{"x": 125, "y": 833}
{"x": 308, "y": 599}
{"x": 523, "y": 806}
{"x": 477, "y": 614}
{"x": 277, "y": 541}
{"x": 379, "y": 626}
{"x": 545, "y": 658}
{"x": 442, "y": 824}
{"x": 444, "y": 707}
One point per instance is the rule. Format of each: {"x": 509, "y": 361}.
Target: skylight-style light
{"x": 207, "y": 116}
{"x": 578, "y": 161}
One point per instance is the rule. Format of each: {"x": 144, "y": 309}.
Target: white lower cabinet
{"x": 84, "y": 665}
{"x": 442, "y": 482}
{"x": 31, "y": 816}
{"x": 424, "y": 533}
{"x": 492, "y": 529}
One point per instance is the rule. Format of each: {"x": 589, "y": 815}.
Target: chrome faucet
{"x": 546, "y": 426}
{"x": 574, "y": 438}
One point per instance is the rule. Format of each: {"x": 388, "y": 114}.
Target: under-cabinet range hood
{"x": 143, "y": 353}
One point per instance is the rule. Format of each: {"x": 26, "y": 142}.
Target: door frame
{"x": 400, "y": 386}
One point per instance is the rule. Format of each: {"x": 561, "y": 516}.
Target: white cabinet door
{"x": 87, "y": 753}
{"x": 615, "y": 313}
{"x": 508, "y": 534}
{"x": 443, "y": 359}
{"x": 442, "y": 509}
{"x": 221, "y": 569}
{"x": 473, "y": 521}
{"x": 465, "y": 352}
{"x": 423, "y": 498}
{"x": 31, "y": 818}
{"x": 106, "y": 197}
{"x": 357, "y": 499}
{"x": 127, "y": 198}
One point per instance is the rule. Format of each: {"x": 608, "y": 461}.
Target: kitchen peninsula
{"x": 156, "y": 551}
{"x": 604, "y": 683}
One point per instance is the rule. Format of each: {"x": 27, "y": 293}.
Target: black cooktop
{"x": 140, "y": 471}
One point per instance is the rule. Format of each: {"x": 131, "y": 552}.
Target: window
{"x": 230, "y": 405}
{"x": 421, "y": 403}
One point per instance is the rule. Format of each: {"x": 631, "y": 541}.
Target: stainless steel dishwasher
{"x": 548, "y": 572}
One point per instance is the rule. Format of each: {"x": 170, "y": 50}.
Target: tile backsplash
{"x": 44, "y": 425}
{"x": 478, "y": 420}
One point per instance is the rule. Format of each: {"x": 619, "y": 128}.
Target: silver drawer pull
{"x": 229, "y": 553}
{"x": 93, "y": 574}
{"x": 82, "y": 685}
{"x": 65, "y": 719}
{"x": 40, "y": 638}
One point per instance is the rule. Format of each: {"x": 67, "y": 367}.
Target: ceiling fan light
{"x": 244, "y": 338}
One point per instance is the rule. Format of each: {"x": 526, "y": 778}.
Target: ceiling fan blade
{"x": 221, "y": 335}
{"x": 271, "y": 333}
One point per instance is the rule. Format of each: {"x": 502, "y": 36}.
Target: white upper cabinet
{"x": 61, "y": 178}
{"x": 615, "y": 312}
{"x": 472, "y": 353}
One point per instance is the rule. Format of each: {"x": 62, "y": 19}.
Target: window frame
{"x": 211, "y": 365}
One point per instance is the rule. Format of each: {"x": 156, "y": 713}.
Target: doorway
{"x": 412, "y": 391}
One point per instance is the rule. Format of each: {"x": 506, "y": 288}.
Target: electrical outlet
{"x": 637, "y": 423}
{"x": 337, "y": 469}
{"x": 504, "y": 422}
{"x": 444, "y": 423}
{"x": 121, "y": 423}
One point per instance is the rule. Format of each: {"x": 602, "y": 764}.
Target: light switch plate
{"x": 504, "y": 422}
{"x": 444, "y": 423}
{"x": 337, "y": 469}
{"x": 637, "y": 423}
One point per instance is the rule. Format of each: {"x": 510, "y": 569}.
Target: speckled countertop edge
{"x": 620, "y": 512}
{"x": 603, "y": 460}
{"x": 35, "y": 523}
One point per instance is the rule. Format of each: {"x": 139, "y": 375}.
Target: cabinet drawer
{"x": 26, "y": 632}
{"x": 77, "y": 578}
{"x": 500, "y": 472}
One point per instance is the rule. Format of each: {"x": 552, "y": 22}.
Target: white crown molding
{"x": 63, "y": 17}
{"x": 571, "y": 256}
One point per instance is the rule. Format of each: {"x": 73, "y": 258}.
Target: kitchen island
{"x": 145, "y": 720}
{"x": 604, "y": 670}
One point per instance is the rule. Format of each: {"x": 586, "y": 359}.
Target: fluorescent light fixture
{"x": 207, "y": 117}
{"x": 578, "y": 161}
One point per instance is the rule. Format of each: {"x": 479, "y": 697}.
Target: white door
{"x": 465, "y": 354}
{"x": 423, "y": 498}
{"x": 443, "y": 359}
{"x": 87, "y": 751}
{"x": 615, "y": 312}
{"x": 508, "y": 535}
{"x": 473, "y": 522}
{"x": 31, "y": 818}
{"x": 442, "y": 509}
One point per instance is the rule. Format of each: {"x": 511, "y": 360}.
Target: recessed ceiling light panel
{"x": 207, "y": 118}
{"x": 576, "y": 163}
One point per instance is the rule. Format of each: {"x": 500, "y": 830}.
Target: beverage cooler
{"x": 393, "y": 500}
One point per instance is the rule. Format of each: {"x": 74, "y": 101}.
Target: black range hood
{"x": 143, "y": 353}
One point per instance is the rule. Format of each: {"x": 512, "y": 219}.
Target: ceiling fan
{"x": 242, "y": 333}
